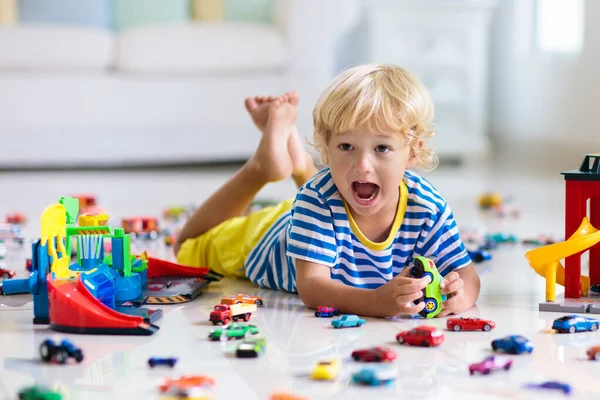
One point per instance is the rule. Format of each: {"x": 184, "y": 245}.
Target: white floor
{"x": 116, "y": 366}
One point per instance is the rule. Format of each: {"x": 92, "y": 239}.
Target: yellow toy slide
{"x": 546, "y": 260}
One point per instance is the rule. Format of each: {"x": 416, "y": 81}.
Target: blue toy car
{"x": 575, "y": 323}
{"x": 348, "y": 321}
{"x": 479, "y": 256}
{"x": 154, "y": 361}
{"x": 514, "y": 344}
{"x": 552, "y": 385}
{"x": 374, "y": 376}
{"x": 59, "y": 352}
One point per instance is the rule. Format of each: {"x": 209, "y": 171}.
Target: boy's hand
{"x": 453, "y": 287}
{"x": 396, "y": 297}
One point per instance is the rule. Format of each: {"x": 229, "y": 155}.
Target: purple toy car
{"x": 490, "y": 364}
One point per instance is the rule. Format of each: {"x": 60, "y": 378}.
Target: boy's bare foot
{"x": 272, "y": 158}
{"x": 258, "y": 108}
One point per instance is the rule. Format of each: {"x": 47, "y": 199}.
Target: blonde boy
{"x": 354, "y": 228}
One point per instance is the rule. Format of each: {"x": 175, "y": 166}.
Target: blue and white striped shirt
{"x": 320, "y": 229}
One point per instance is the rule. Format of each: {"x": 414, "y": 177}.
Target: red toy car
{"x": 469, "y": 324}
{"x": 422, "y": 336}
{"x": 7, "y": 273}
{"x": 374, "y": 354}
{"x": 16, "y": 218}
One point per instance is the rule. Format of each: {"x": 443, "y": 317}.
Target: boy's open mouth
{"x": 365, "y": 193}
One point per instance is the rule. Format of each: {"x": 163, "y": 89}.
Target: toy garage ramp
{"x": 546, "y": 260}
{"x": 74, "y": 309}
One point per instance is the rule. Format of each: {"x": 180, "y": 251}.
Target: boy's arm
{"x": 316, "y": 288}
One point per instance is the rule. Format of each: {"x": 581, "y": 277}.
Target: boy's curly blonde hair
{"x": 381, "y": 98}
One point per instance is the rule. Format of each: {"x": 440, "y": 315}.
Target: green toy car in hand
{"x": 432, "y": 294}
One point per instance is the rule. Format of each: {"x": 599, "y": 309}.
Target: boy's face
{"x": 368, "y": 168}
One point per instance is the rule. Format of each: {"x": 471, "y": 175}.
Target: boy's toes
{"x": 251, "y": 103}
{"x": 293, "y": 96}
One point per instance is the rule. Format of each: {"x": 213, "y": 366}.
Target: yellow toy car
{"x": 490, "y": 200}
{"x": 326, "y": 370}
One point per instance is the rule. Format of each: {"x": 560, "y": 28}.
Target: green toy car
{"x": 251, "y": 347}
{"x": 38, "y": 393}
{"x": 432, "y": 294}
{"x": 233, "y": 331}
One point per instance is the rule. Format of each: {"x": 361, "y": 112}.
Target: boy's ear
{"x": 412, "y": 158}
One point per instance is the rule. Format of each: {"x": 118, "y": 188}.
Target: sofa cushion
{"x": 249, "y": 10}
{"x": 8, "y": 12}
{"x": 74, "y": 12}
{"x": 201, "y": 47}
{"x": 52, "y": 47}
{"x": 130, "y": 13}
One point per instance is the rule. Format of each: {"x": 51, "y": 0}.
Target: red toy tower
{"x": 581, "y": 185}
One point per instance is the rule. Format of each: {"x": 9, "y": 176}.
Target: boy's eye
{"x": 345, "y": 146}
{"x": 382, "y": 148}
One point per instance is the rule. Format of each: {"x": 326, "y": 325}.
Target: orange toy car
{"x": 16, "y": 218}
{"x": 242, "y": 299}
{"x": 593, "y": 353}
{"x": 186, "y": 382}
{"x": 286, "y": 396}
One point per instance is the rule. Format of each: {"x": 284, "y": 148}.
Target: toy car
{"x": 38, "y": 393}
{"x": 154, "y": 361}
{"x": 176, "y": 387}
{"x": 374, "y": 376}
{"x": 593, "y": 353}
{"x": 374, "y": 354}
{"x": 575, "y": 323}
{"x": 7, "y": 273}
{"x": 514, "y": 344}
{"x": 348, "y": 321}
{"x": 489, "y": 200}
{"x": 59, "y": 352}
{"x": 490, "y": 364}
{"x": 16, "y": 218}
{"x": 285, "y": 396}
{"x": 553, "y": 385}
{"x": 502, "y": 238}
{"x": 432, "y": 293}
{"x": 326, "y": 312}
{"x": 469, "y": 324}
{"x": 421, "y": 336}
{"x": 242, "y": 299}
{"x": 479, "y": 256}
{"x": 233, "y": 331}
{"x": 326, "y": 370}
{"x": 251, "y": 347}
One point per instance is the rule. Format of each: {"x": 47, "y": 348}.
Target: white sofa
{"x": 72, "y": 96}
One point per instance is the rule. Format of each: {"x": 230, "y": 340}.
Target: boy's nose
{"x": 364, "y": 163}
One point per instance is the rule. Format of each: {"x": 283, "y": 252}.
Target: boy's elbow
{"x": 307, "y": 296}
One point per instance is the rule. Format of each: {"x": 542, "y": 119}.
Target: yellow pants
{"x": 225, "y": 247}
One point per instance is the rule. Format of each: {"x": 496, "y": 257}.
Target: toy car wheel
{"x": 425, "y": 344}
{"x": 428, "y": 274}
{"x": 258, "y": 303}
{"x": 572, "y": 329}
{"x": 336, "y": 313}
{"x": 418, "y": 268}
{"x": 238, "y": 302}
{"x": 456, "y": 328}
{"x": 151, "y": 363}
{"x": 594, "y": 327}
{"x": 487, "y": 327}
{"x": 356, "y": 357}
{"x": 359, "y": 324}
{"x": 478, "y": 258}
{"x": 597, "y": 356}
{"x": 400, "y": 340}
{"x": 46, "y": 350}
{"x": 5, "y": 275}
{"x": 61, "y": 357}
{"x": 494, "y": 346}
{"x": 507, "y": 366}
{"x": 317, "y": 314}
{"x": 171, "y": 363}
{"x": 485, "y": 371}
{"x": 430, "y": 305}
{"x": 513, "y": 350}
{"x": 78, "y": 356}
{"x": 471, "y": 372}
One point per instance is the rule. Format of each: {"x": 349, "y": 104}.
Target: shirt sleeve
{"x": 440, "y": 241}
{"x": 311, "y": 236}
